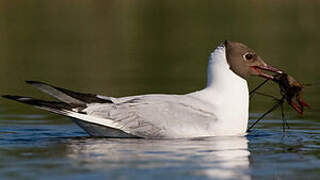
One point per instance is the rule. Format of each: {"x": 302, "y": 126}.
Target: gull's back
{"x": 157, "y": 116}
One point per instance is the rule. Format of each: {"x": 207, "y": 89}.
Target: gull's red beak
{"x": 265, "y": 67}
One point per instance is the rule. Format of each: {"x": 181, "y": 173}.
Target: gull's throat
{"x": 219, "y": 73}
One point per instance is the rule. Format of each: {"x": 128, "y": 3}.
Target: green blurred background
{"x": 126, "y": 47}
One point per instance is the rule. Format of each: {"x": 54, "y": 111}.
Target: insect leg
{"x": 259, "y": 86}
{"x": 269, "y": 111}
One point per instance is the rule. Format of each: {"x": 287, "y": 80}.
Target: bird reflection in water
{"x": 214, "y": 157}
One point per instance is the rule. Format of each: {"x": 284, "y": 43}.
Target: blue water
{"x": 33, "y": 147}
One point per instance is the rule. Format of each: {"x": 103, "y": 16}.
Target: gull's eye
{"x": 248, "y": 56}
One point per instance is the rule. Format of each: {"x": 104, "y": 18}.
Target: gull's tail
{"x": 68, "y": 96}
{"x": 52, "y": 106}
{"x": 71, "y": 104}
{"x": 69, "y": 100}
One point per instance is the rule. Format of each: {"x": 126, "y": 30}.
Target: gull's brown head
{"x": 245, "y": 62}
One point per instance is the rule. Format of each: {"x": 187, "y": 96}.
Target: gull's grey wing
{"x": 156, "y": 116}
{"x": 150, "y": 116}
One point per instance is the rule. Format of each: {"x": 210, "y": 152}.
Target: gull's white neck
{"x": 228, "y": 93}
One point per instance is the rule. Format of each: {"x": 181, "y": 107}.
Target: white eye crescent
{"x": 248, "y": 56}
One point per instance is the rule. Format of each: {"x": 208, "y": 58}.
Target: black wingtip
{"x": 16, "y": 98}
{"x": 41, "y": 103}
{"x": 34, "y": 82}
{"x": 10, "y": 97}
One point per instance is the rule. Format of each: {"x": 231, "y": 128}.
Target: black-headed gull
{"x": 220, "y": 109}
